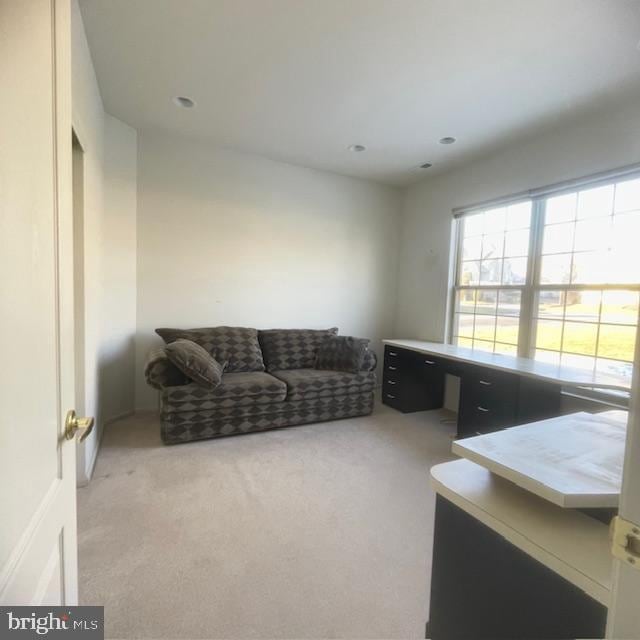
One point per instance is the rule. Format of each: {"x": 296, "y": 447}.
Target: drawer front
{"x": 488, "y": 401}
{"x": 397, "y": 362}
{"x": 394, "y": 399}
{"x": 491, "y": 390}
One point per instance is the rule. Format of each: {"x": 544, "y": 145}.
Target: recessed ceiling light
{"x": 426, "y": 165}
{"x": 357, "y": 148}
{"x": 447, "y": 140}
{"x": 183, "y": 101}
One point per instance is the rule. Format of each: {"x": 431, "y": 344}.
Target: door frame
{"x": 82, "y": 475}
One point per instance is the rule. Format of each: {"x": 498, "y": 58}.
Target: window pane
{"x": 469, "y": 273}
{"x": 620, "y": 307}
{"x": 493, "y": 245}
{"x": 466, "y": 301}
{"x": 624, "y": 263}
{"x": 555, "y": 269}
{"x": 514, "y": 271}
{"x": 516, "y": 243}
{"x": 549, "y": 335}
{"x": 591, "y": 267}
{"x": 580, "y": 337}
{"x": 558, "y": 238}
{"x": 551, "y": 304}
{"x": 509, "y": 303}
{"x": 463, "y": 342}
{"x": 519, "y": 215}
{"x": 490, "y": 271}
{"x": 583, "y": 305}
{"x": 486, "y": 301}
{"x": 627, "y": 195}
{"x": 616, "y": 341}
{"x": 561, "y": 208}
{"x": 593, "y": 203}
{"x": 484, "y": 328}
{"x": 507, "y": 329}
{"x": 463, "y": 325}
{"x": 592, "y": 234}
{"x": 495, "y": 220}
{"x": 473, "y": 224}
{"x": 471, "y": 248}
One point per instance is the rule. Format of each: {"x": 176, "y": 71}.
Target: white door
{"x": 38, "y": 550}
{"x": 624, "y": 612}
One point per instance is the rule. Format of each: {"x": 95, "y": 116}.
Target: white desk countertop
{"x": 562, "y": 375}
{"x": 570, "y": 543}
{"x": 574, "y": 461}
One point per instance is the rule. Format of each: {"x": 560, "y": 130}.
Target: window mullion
{"x": 527, "y": 332}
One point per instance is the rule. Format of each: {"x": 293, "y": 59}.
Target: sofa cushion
{"x": 303, "y": 384}
{"x": 196, "y": 363}
{"x": 292, "y": 348}
{"x": 342, "y": 353}
{"x": 235, "y": 389}
{"x": 238, "y": 346}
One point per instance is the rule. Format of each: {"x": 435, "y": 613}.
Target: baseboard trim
{"x": 92, "y": 465}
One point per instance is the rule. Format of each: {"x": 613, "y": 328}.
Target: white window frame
{"x": 526, "y": 337}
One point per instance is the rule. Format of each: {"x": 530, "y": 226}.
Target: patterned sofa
{"x": 269, "y": 382}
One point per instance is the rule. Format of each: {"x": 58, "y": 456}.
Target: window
{"x": 553, "y": 277}
{"x": 492, "y": 275}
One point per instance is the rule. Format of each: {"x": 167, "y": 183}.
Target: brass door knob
{"x": 73, "y": 424}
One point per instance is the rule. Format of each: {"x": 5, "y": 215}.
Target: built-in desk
{"x": 496, "y": 391}
{"x": 574, "y": 461}
{"x": 515, "y": 554}
{"x": 509, "y": 564}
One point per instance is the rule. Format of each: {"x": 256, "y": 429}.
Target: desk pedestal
{"x": 482, "y": 587}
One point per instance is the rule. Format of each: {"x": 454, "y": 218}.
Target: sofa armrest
{"x": 160, "y": 372}
{"x": 370, "y": 360}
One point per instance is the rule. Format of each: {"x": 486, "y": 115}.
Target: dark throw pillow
{"x": 238, "y": 346}
{"x": 292, "y": 348}
{"x": 195, "y": 362}
{"x": 342, "y": 353}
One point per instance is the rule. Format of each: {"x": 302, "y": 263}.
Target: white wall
{"x": 235, "y": 239}
{"x": 109, "y": 249}
{"x": 590, "y": 143}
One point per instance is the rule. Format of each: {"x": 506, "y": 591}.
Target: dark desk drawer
{"x": 395, "y": 400}
{"x": 488, "y": 401}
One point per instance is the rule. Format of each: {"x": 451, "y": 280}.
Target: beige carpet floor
{"x": 320, "y": 531}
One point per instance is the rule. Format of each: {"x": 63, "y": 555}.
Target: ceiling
{"x": 301, "y": 80}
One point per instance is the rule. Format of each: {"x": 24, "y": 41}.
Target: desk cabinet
{"x": 489, "y": 399}
{"x": 412, "y": 381}
{"x": 483, "y": 587}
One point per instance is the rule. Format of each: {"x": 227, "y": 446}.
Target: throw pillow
{"x": 292, "y": 348}
{"x": 194, "y": 361}
{"x": 342, "y": 353}
{"x": 237, "y": 345}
